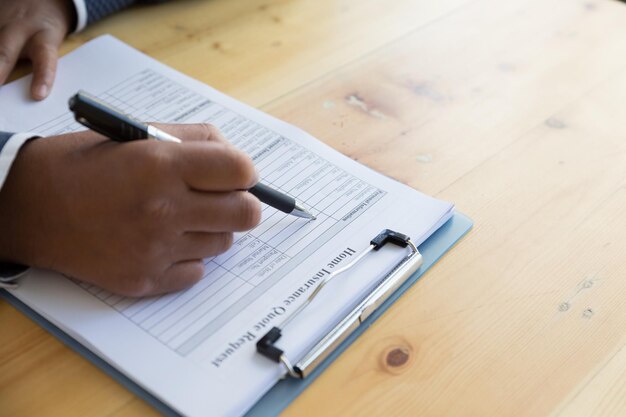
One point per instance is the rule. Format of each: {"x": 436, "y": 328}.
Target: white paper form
{"x": 195, "y": 349}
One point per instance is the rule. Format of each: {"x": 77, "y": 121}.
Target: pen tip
{"x": 302, "y": 212}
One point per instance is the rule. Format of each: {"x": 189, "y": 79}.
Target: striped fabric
{"x": 99, "y": 9}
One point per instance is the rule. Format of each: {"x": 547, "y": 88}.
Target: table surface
{"x": 514, "y": 110}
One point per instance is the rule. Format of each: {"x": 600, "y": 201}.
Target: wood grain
{"x": 513, "y": 110}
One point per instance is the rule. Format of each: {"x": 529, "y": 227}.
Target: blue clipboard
{"x": 286, "y": 390}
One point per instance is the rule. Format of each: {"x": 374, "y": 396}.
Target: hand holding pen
{"x": 105, "y": 119}
{"x": 136, "y": 219}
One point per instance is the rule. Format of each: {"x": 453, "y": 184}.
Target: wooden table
{"x": 514, "y": 110}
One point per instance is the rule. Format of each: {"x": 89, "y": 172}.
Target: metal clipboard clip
{"x": 324, "y": 347}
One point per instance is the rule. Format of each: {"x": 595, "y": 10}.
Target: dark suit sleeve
{"x": 99, "y": 9}
{"x": 90, "y": 11}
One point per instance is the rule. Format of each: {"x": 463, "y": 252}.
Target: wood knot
{"x": 396, "y": 358}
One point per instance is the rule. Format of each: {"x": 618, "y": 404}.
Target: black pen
{"x": 114, "y": 124}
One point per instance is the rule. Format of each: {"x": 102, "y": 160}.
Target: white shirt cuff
{"x": 9, "y": 152}
{"x": 81, "y": 15}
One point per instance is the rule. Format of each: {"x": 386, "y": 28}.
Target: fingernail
{"x": 41, "y": 91}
